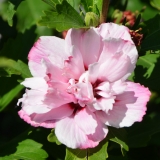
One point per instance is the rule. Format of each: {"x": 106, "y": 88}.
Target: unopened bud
{"x": 91, "y": 19}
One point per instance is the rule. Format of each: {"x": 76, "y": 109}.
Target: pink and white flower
{"x": 79, "y": 85}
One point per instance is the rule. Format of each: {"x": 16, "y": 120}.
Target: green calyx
{"x": 91, "y": 19}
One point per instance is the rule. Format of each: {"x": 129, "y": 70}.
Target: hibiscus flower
{"x": 79, "y": 85}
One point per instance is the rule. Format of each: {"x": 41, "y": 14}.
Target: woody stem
{"x": 103, "y": 15}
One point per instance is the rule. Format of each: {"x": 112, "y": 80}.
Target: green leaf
{"x": 118, "y": 136}
{"x": 52, "y": 3}
{"x": 155, "y": 4}
{"x": 64, "y": 18}
{"x": 146, "y": 71}
{"x": 92, "y": 5}
{"x": 28, "y": 150}
{"x": 13, "y": 67}
{"x": 52, "y": 137}
{"x": 75, "y": 4}
{"x": 88, "y": 5}
{"x": 152, "y": 42}
{"x": 10, "y": 13}
{"x": 148, "y": 61}
{"x": 8, "y": 65}
{"x": 8, "y": 10}
{"x": 29, "y": 12}
{"x": 23, "y": 68}
{"x": 97, "y": 153}
{"x": 138, "y": 5}
{"x": 75, "y": 154}
{"x": 8, "y": 97}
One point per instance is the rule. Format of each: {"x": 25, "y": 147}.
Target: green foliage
{"x": 140, "y": 141}
{"x": 119, "y": 136}
{"x": 52, "y": 137}
{"x": 75, "y": 4}
{"x": 13, "y": 67}
{"x": 91, "y": 19}
{"x": 99, "y": 152}
{"x": 52, "y": 3}
{"x": 92, "y": 6}
{"x": 7, "y": 11}
{"x": 6, "y": 99}
{"x": 152, "y": 42}
{"x": 28, "y": 13}
{"x": 155, "y": 3}
{"x": 146, "y": 71}
{"x": 65, "y": 14}
{"x": 142, "y": 6}
{"x": 64, "y": 18}
{"x": 140, "y": 133}
{"x": 10, "y": 13}
{"x": 27, "y": 150}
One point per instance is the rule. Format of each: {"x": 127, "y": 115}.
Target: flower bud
{"x": 91, "y": 19}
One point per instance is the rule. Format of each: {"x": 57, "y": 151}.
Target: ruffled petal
{"x": 104, "y": 104}
{"x": 115, "y": 31}
{"x": 99, "y": 134}
{"x": 69, "y": 133}
{"x": 54, "y": 114}
{"x": 57, "y": 97}
{"x": 114, "y": 46}
{"x": 93, "y": 72}
{"x": 90, "y": 47}
{"x": 115, "y": 68}
{"x": 73, "y": 38}
{"x": 118, "y": 87}
{"x": 49, "y": 49}
{"x": 130, "y": 107}
{"x": 74, "y": 66}
{"x": 37, "y": 83}
{"x": 28, "y": 119}
{"x": 32, "y": 102}
{"x": 83, "y": 116}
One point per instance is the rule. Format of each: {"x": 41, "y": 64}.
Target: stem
{"x": 103, "y": 15}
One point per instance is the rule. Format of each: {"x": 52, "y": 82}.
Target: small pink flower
{"x": 79, "y": 85}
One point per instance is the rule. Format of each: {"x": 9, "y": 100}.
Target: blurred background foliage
{"x": 21, "y": 23}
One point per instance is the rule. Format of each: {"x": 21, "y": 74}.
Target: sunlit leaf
{"x": 29, "y": 12}
{"x": 8, "y": 65}
{"x": 8, "y": 97}
{"x": 64, "y": 18}
{"x": 13, "y": 67}
{"x": 52, "y": 3}
{"x": 155, "y": 3}
{"x": 97, "y": 153}
{"x": 8, "y": 10}
{"x": 76, "y": 4}
{"x": 146, "y": 71}
{"x": 52, "y": 137}
{"x": 118, "y": 136}
{"x": 10, "y": 13}
{"x": 28, "y": 150}
{"x": 92, "y": 5}
{"x": 138, "y": 5}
